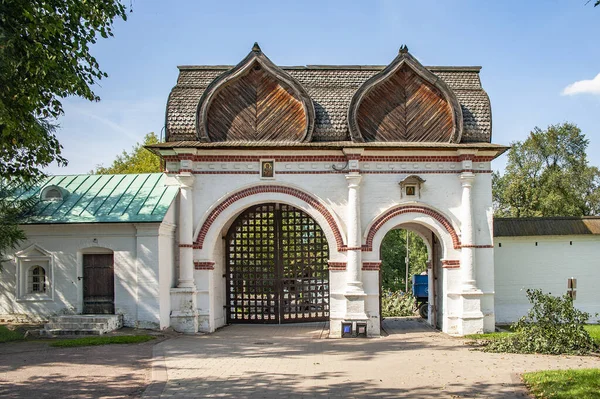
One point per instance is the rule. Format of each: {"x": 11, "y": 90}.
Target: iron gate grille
{"x": 276, "y": 267}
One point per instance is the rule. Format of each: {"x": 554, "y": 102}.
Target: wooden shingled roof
{"x": 330, "y": 89}
{"x": 546, "y": 226}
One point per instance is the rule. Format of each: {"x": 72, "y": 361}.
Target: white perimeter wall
{"x": 520, "y": 264}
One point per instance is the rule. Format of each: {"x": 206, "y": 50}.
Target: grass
{"x": 9, "y": 334}
{"x": 106, "y": 340}
{"x": 564, "y": 384}
{"x": 594, "y": 331}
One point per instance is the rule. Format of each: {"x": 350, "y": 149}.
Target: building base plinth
{"x": 470, "y": 320}
{"x": 184, "y": 310}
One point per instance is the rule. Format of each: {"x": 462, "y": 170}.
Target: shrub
{"x": 397, "y": 304}
{"x": 552, "y": 326}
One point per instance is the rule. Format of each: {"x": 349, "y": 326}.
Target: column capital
{"x": 353, "y": 179}
{"x": 185, "y": 179}
{"x": 467, "y": 179}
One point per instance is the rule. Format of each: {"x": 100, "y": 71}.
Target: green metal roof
{"x": 132, "y": 198}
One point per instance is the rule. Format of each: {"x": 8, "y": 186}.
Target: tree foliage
{"x": 548, "y": 175}
{"x": 552, "y": 326}
{"x": 13, "y": 210}
{"x": 393, "y": 255}
{"x": 44, "y": 57}
{"x": 138, "y": 160}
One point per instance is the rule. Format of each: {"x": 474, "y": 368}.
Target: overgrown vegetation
{"x": 105, "y": 340}
{"x": 552, "y": 326}
{"x": 397, "y": 304}
{"x": 8, "y": 334}
{"x": 564, "y": 384}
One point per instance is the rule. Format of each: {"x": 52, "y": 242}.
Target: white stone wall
{"x": 521, "y": 264}
{"x": 143, "y": 270}
{"x": 221, "y": 173}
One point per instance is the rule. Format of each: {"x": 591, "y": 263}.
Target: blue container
{"x": 420, "y": 286}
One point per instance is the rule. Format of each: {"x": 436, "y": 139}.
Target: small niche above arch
{"x": 53, "y": 193}
{"x": 410, "y": 186}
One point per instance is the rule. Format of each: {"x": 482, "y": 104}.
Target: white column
{"x": 186, "y": 230}
{"x": 354, "y": 256}
{"x": 467, "y": 261}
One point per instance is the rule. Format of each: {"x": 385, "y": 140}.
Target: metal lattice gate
{"x": 276, "y": 267}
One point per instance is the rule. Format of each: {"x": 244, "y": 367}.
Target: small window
{"x": 52, "y": 193}
{"x": 36, "y": 280}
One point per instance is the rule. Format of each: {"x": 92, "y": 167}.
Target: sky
{"x": 540, "y": 59}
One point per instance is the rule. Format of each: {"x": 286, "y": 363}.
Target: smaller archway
{"x": 418, "y": 246}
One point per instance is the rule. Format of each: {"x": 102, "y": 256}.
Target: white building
{"x": 280, "y": 185}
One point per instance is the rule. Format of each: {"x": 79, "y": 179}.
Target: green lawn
{"x": 8, "y": 335}
{"x": 564, "y": 384}
{"x": 594, "y": 331}
{"x": 105, "y": 340}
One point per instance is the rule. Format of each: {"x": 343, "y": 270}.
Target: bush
{"x": 552, "y": 326}
{"x": 397, "y": 304}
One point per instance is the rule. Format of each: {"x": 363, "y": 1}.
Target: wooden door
{"x": 98, "y": 284}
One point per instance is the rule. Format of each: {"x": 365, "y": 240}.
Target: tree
{"x": 548, "y": 175}
{"x": 393, "y": 255}
{"x": 44, "y": 57}
{"x": 139, "y": 160}
{"x": 13, "y": 208}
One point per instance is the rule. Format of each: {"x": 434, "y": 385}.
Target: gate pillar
{"x": 184, "y": 309}
{"x": 355, "y": 295}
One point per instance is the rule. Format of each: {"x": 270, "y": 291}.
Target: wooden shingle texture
{"x": 331, "y": 89}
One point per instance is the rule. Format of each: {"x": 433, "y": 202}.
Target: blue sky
{"x": 530, "y": 52}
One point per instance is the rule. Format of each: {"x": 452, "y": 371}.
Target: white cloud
{"x": 591, "y": 86}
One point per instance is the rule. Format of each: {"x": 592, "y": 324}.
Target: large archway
{"x": 276, "y": 267}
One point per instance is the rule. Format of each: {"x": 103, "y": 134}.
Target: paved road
{"x": 34, "y": 370}
{"x": 296, "y": 361}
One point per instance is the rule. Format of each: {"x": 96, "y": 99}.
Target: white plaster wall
{"x": 136, "y": 260}
{"x": 380, "y": 191}
{"x": 520, "y": 264}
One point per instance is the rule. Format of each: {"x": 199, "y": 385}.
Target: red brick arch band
{"x": 381, "y": 220}
{"x": 313, "y": 202}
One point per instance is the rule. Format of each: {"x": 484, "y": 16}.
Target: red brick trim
{"x": 327, "y": 158}
{"x": 420, "y": 172}
{"x": 381, "y": 220}
{"x": 476, "y": 246}
{"x": 226, "y": 172}
{"x": 371, "y": 266}
{"x": 186, "y": 245}
{"x": 337, "y": 265}
{"x": 310, "y": 200}
{"x": 450, "y": 264}
{"x": 204, "y": 265}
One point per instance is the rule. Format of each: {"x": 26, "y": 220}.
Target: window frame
{"x": 26, "y": 260}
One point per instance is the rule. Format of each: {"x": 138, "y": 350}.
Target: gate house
{"x": 291, "y": 176}
{"x": 286, "y": 180}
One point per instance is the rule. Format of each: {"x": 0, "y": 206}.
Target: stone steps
{"x": 81, "y": 325}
